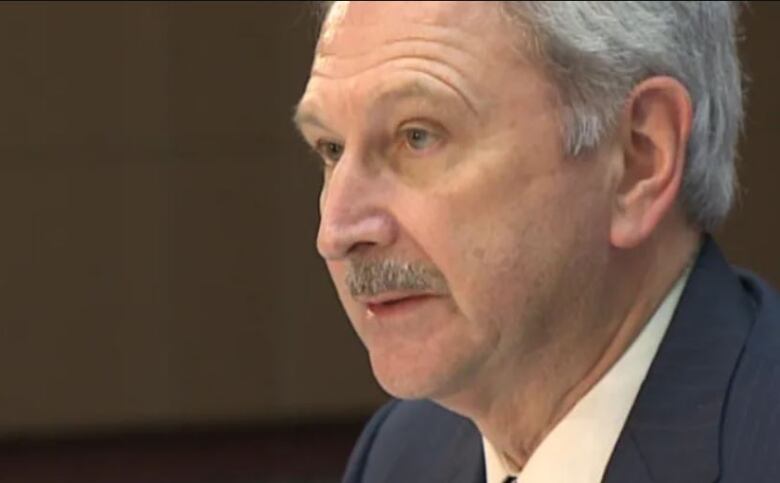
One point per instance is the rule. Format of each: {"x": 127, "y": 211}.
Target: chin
{"x": 404, "y": 387}
{"x": 418, "y": 379}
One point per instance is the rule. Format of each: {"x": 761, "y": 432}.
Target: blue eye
{"x": 418, "y": 139}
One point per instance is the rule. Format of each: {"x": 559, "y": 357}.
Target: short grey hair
{"x": 597, "y": 52}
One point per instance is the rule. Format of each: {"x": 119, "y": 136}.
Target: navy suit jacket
{"x": 708, "y": 410}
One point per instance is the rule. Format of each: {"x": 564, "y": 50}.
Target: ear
{"x": 656, "y": 124}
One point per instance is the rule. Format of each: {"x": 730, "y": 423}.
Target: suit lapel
{"x": 627, "y": 464}
{"x": 673, "y": 431}
{"x": 463, "y": 462}
{"x": 447, "y": 448}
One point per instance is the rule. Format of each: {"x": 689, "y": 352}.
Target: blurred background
{"x": 164, "y": 316}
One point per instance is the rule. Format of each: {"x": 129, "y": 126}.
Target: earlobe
{"x": 655, "y": 129}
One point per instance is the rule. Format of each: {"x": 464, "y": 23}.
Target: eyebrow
{"x": 410, "y": 90}
{"x": 303, "y": 116}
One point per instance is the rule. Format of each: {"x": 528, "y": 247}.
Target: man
{"x": 515, "y": 210}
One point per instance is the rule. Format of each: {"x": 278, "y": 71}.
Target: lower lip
{"x": 399, "y": 307}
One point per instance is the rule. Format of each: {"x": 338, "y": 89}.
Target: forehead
{"x": 366, "y": 46}
{"x": 381, "y": 21}
{"x": 470, "y": 57}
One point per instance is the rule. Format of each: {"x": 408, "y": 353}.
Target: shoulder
{"x": 411, "y": 439}
{"x": 751, "y": 423}
{"x": 764, "y": 340}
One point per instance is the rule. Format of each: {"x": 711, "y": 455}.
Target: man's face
{"x": 460, "y": 239}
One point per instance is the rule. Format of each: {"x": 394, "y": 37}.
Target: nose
{"x": 354, "y": 212}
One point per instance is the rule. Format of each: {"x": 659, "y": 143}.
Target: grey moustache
{"x": 370, "y": 277}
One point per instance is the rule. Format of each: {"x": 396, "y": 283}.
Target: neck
{"x": 534, "y": 394}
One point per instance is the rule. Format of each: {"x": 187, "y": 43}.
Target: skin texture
{"x": 445, "y": 181}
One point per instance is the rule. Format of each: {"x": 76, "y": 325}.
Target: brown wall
{"x": 158, "y": 218}
{"x": 752, "y": 235}
{"x": 158, "y": 214}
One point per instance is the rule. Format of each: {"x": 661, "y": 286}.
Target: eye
{"x": 419, "y": 139}
{"x": 330, "y": 151}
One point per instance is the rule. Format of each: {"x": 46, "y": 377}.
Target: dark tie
{"x": 510, "y": 479}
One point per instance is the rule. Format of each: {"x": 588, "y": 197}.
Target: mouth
{"x": 396, "y": 305}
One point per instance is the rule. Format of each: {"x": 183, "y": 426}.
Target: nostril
{"x": 360, "y": 247}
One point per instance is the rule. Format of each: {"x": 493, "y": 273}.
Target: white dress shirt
{"x": 578, "y": 449}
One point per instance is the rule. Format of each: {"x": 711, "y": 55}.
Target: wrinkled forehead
{"x": 380, "y": 22}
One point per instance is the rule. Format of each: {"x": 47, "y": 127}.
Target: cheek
{"x": 484, "y": 245}
{"x": 504, "y": 255}
{"x": 496, "y": 276}
{"x": 481, "y": 284}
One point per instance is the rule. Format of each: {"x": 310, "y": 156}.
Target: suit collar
{"x": 673, "y": 431}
